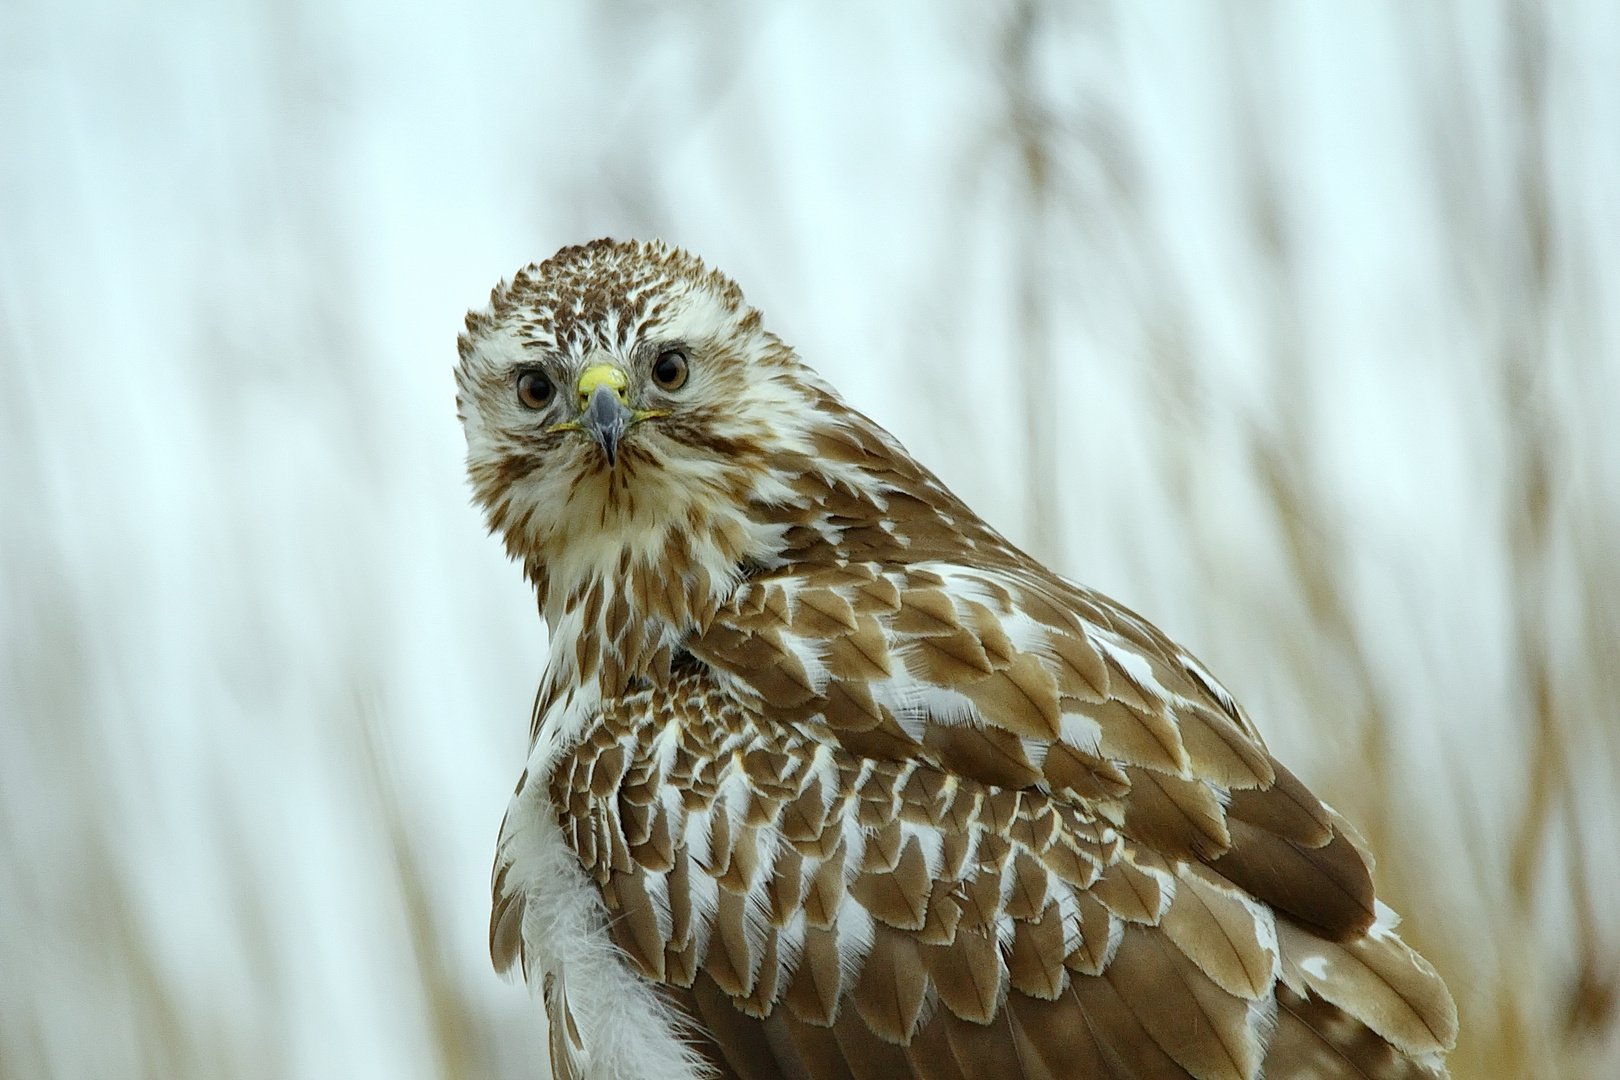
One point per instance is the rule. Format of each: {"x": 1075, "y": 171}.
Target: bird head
{"x": 619, "y": 392}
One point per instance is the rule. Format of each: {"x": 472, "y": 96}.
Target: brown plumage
{"x": 829, "y": 780}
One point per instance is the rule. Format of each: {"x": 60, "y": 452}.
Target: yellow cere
{"x": 614, "y": 379}
{"x": 602, "y": 375}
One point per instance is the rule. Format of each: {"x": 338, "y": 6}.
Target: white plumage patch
{"x": 625, "y": 1031}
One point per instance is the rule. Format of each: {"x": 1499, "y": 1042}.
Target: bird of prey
{"x": 829, "y": 781}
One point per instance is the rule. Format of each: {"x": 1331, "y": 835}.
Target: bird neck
{"x": 618, "y": 604}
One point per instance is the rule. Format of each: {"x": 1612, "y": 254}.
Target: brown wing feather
{"x": 919, "y": 808}
{"x": 1316, "y": 1038}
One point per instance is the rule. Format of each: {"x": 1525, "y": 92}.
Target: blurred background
{"x": 1292, "y": 326}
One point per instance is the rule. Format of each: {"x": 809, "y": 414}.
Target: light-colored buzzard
{"x": 829, "y": 780}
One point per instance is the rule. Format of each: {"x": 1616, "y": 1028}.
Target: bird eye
{"x": 534, "y": 389}
{"x": 670, "y": 370}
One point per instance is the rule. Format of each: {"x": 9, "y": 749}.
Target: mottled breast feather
{"x": 902, "y": 802}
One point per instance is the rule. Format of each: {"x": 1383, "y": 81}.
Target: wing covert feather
{"x": 948, "y": 824}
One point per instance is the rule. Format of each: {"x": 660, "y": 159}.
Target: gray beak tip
{"x": 606, "y": 418}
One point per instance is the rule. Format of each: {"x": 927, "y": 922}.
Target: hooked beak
{"x": 606, "y": 418}
{"x": 604, "y": 413}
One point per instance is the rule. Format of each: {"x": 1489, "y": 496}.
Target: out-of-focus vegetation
{"x": 1293, "y": 328}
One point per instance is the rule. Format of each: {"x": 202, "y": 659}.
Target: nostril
{"x": 586, "y": 397}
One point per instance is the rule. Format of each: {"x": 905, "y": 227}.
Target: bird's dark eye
{"x": 534, "y": 389}
{"x": 670, "y": 370}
